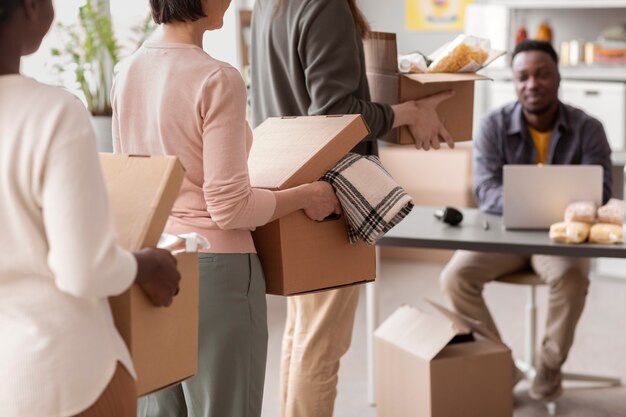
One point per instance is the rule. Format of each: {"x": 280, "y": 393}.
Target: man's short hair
{"x": 534, "y": 45}
{"x": 6, "y": 8}
{"x": 166, "y": 11}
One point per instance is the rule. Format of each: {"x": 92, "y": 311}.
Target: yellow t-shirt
{"x": 542, "y": 141}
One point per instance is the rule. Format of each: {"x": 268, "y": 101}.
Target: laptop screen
{"x": 535, "y": 196}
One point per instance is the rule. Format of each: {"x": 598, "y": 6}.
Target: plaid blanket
{"x": 371, "y": 200}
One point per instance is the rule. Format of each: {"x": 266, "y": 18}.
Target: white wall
{"x": 39, "y": 64}
{"x": 388, "y": 16}
{"x": 223, "y": 44}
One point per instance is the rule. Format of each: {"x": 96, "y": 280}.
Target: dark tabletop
{"x": 420, "y": 229}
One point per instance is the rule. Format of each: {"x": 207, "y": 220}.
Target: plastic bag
{"x": 580, "y": 211}
{"x": 188, "y": 242}
{"x": 606, "y": 233}
{"x": 569, "y": 232}
{"x": 464, "y": 54}
{"x": 612, "y": 212}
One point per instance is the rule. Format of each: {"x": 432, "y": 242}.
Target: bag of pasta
{"x": 569, "y": 232}
{"x": 580, "y": 211}
{"x": 612, "y": 212}
{"x": 606, "y": 233}
{"x": 464, "y": 54}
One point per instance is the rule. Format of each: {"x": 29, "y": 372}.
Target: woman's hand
{"x": 421, "y": 117}
{"x": 322, "y": 201}
{"x": 157, "y": 275}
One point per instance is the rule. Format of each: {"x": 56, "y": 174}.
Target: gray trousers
{"x": 465, "y": 275}
{"x": 232, "y": 345}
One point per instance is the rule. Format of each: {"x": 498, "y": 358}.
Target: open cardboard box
{"x": 442, "y": 178}
{"x": 162, "y": 341}
{"x": 440, "y": 365}
{"x": 389, "y": 86}
{"x": 300, "y": 255}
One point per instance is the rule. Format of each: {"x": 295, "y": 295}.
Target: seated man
{"x": 536, "y": 129}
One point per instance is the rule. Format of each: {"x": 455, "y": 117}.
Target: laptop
{"x": 535, "y": 196}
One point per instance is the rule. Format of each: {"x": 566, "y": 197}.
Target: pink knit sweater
{"x": 174, "y": 99}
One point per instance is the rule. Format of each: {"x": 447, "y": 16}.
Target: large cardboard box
{"x": 440, "y": 178}
{"x": 440, "y": 365}
{"x": 162, "y": 341}
{"x": 298, "y": 254}
{"x": 387, "y": 85}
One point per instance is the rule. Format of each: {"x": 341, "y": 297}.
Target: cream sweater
{"x": 59, "y": 261}
{"x": 174, "y": 99}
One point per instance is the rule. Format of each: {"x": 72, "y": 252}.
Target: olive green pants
{"x": 232, "y": 345}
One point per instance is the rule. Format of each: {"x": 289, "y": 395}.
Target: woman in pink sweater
{"x": 172, "y": 98}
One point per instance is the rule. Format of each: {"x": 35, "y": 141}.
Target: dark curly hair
{"x": 534, "y": 45}
{"x": 167, "y": 11}
{"x": 6, "y": 8}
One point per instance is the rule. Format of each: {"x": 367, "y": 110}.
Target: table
{"x": 420, "y": 229}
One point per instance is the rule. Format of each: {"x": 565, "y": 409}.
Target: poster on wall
{"x": 436, "y": 15}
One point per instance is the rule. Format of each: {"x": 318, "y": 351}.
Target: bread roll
{"x": 606, "y": 233}
{"x": 612, "y": 212}
{"x": 581, "y": 211}
{"x": 569, "y": 232}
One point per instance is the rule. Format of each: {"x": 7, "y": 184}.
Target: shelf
{"x": 561, "y": 4}
{"x": 583, "y": 72}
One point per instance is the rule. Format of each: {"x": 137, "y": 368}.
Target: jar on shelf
{"x": 520, "y": 35}
{"x": 544, "y": 32}
{"x": 590, "y": 53}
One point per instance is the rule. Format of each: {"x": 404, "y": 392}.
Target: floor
{"x": 599, "y": 347}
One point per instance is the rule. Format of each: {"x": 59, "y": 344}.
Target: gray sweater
{"x": 307, "y": 59}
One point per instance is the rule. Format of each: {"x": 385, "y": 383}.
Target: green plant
{"x": 91, "y": 51}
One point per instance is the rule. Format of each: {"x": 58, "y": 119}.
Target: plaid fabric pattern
{"x": 371, "y": 200}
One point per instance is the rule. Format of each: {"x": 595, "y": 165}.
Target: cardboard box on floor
{"x": 298, "y": 254}
{"x": 162, "y": 341}
{"x": 389, "y": 86}
{"x": 440, "y": 365}
{"x": 434, "y": 178}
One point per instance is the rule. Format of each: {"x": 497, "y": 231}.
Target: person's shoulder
{"x": 578, "y": 118}
{"x": 222, "y": 72}
{"x": 211, "y": 69}
{"x": 222, "y": 82}
{"x": 60, "y": 115}
{"x": 499, "y": 117}
{"x": 332, "y": 8}
{"x": 502, "y": 112}
{"x": 45, "y": 98}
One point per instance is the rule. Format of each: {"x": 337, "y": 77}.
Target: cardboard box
{"x": 387, "y": 85}
{"x": 427, "y": 365}
{"x": 435, "y": 178}
{"x": 298, "y": 254}
{"x": 162, "y": 341}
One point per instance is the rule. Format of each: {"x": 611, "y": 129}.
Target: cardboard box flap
{"x": 419, "y": 333}
{"x": 291, "y": 151}
{"x": 381, "y": 53}
{"x": 142, "y": 191}
{"x": 444, "y": 77}
{"x": 467, "y": 323}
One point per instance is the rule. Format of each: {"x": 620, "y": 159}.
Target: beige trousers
{"x": 318, "y": 332}
{"x": 465, "y": 275}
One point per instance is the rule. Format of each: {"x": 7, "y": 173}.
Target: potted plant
{"x": 87, "y": 60}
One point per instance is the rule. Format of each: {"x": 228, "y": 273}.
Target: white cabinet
{"x": 501, "y": 93}
{"x": 560, "y": 4}
{"x": 606, "y": 101}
